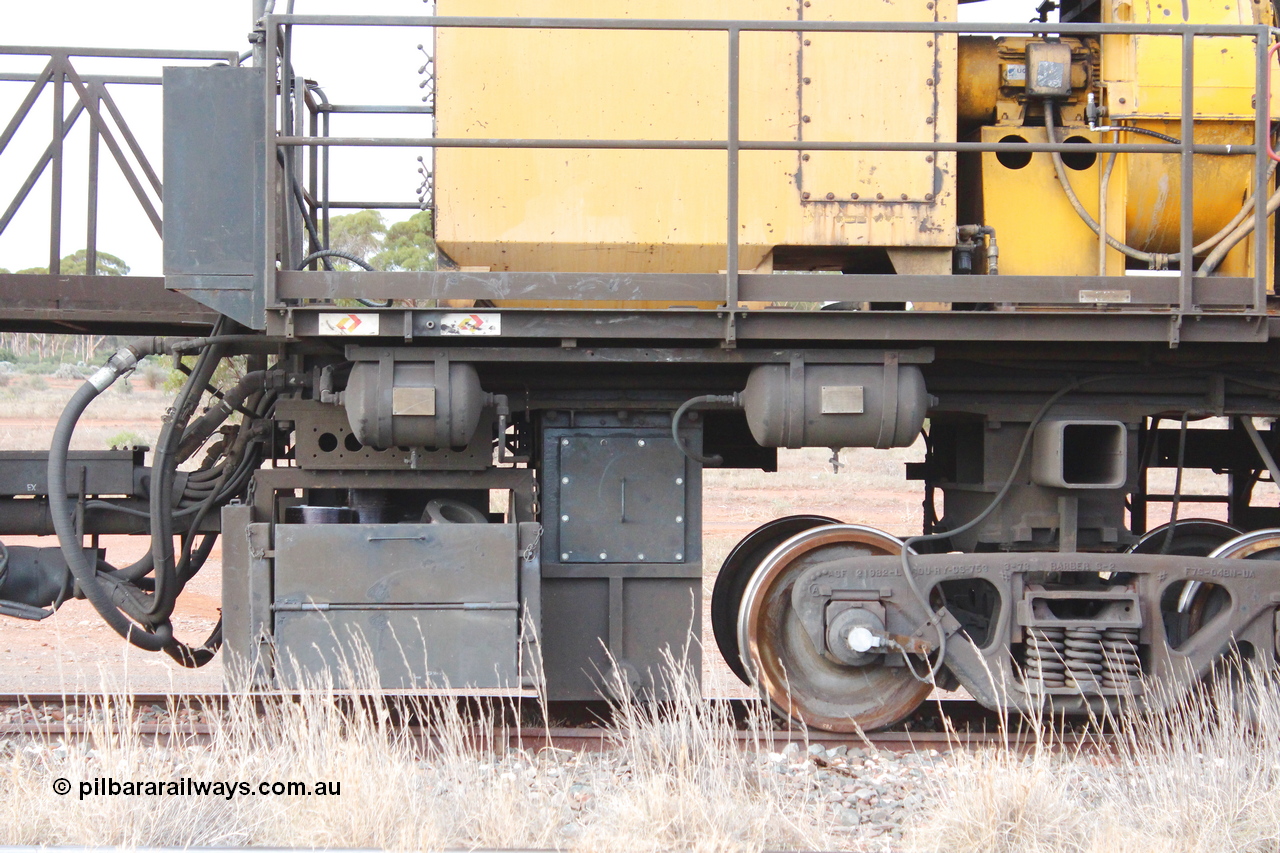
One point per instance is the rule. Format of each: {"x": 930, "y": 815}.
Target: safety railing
{"x": 61, "y": 81}
{"x": 279, "y": 33}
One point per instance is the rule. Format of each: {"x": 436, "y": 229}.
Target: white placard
{"x": 348, "y": 324}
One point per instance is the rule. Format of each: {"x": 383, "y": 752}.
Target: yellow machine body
{"x": 665, "y": 210}
{"x": 1137, "y": 78}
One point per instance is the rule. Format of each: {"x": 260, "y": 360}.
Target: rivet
{"x": 928, "y": 196}
{"x": 640, "y": 443}
{"x": 928, "y": 158}
{"x": 679, "y": 519}
{"x": 564, "y": 480}
{"x": 679, "y": 556}
{"x": 929, "y": 43}
{"x": 804, "y": 119}
{"x": 904, "y": 196}
{"x": 1122, "y": 100}
{"x": 603, "y": 555}
{"x": 831, "y": 196}
{"x": 564, "y": 557}
{"x": 854, "y": 196}
{"x": 804, "y": 157}
{"x": 804, "y": 195}
{"x": 929, "y": 6}
{"x": 639, "y": 556}
{"x": 928, "y": 120}
{"x": 807, "y": 81}
{"x": 679, "y": 481}
{"x": 564, "y": 518}
{"x": 564, "y": 442}
{"x": 929, "y": 82}
{"x": 879, "y": 197}
{"x": 807, "y": 42}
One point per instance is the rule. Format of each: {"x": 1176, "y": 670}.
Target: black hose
{"x": 163, "y": 467}
{"x": 346, "y": 256}
{"x": 336, "y": 253}
{"x": 1130, "y": 129}
{"x": 61, "y": 511}
{"x": 709, "y": 461}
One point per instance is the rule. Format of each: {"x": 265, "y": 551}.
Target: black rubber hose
{"x": 708, "y": 461}
{"x": 60, "y": 510}
{"x": 163, "y": 467}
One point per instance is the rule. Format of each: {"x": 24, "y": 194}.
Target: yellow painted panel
{"x": 1143, "y": 73}
{"x": 1038, "y": 230}
{"x": 641, "y": 211}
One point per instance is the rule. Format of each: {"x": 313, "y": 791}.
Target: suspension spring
{"x": 1120, "y": 651}
{"x": 1045, "y": 659}
{"x": 1084, "y": 657}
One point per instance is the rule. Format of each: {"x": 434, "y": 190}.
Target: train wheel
{"x": 1258, "y": 545}
{"x": 800, "y": 683}
{"x": 1192, "y": 537}
{"x": 735, "y": 574}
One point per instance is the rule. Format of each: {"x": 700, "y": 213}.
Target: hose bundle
{"x": 138, "y": 600}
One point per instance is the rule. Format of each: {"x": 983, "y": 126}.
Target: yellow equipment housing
{"x": 664, "y": 210}
{"x": 545, "y": 209}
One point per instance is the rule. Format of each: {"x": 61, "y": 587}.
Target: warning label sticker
{"x": 348, "y": 324}
{"x": 471, "y": 324}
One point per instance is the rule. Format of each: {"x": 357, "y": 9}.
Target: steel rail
{"x": 970, "y": 726}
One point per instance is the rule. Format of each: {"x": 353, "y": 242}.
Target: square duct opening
{"x": 1080, "y": 454}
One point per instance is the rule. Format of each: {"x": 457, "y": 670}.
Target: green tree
{"x": 409, "y": 245}
{"x": 358, "y": 234}
{"x": 76, "y": 263}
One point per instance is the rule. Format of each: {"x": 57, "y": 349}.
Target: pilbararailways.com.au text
{"x": 188, "y": 787}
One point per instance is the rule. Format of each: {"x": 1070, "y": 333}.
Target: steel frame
{"x": 1188, "y": 298}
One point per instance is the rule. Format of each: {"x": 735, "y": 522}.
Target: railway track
{"x": 948, "y": 724}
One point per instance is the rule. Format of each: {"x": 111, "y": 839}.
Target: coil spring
{"x": 1084, "y": 656}
{"x": 1045, "y": 662}
{"x": 1120, "y": 650}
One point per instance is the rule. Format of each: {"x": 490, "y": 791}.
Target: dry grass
{"x": 672, "y": 781}
{"x": 1202, "y": 778}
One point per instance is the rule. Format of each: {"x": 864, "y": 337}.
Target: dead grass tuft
{"x": 1202, "y": 778}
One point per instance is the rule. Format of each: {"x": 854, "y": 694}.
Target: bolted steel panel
{"x": 622, "y": 498}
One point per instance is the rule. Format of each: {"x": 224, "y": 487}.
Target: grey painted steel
{"x": 602, "y": 605}
{"x": 826, "y": 327}
{"x": 323, "y": 441}
{"x": 246, "y": 599}
{"x": 84, "y": 303}
{"x": 1209, "y": 292}
{"x": 99, "y": 472}
{"x": 621, "y": 497}
{"x": 213, "y": 169}
{"x": 649, "y": 355}
{"x": 988, "y": 672}
{"x": 386, "y": 570}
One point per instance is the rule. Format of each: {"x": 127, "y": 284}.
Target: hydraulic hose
{"x": 1242, "y": 230}
{"x": 85, "y": 574}
{"x": 1061, "y": 171}
{"x": 708, "y": 461}
{"x": 1227, "y": 237}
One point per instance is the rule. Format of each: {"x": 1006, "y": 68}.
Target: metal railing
{"x": 279, "y": 33}
{"x": 91, "y": 96}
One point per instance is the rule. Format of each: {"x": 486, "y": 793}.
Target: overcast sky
{"x": 355, "y": 66}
